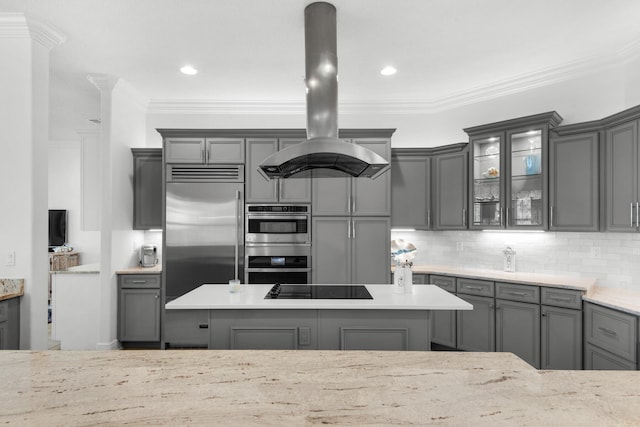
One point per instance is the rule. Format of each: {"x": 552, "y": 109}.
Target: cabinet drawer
{"x": 566, "y": 298}
{"x": 4, "y": 310}
{"x": 140, "y": 281}
{"x": 611, "y": 330}
{"x": 475, "y": 287}
{"x": 419, "y": 279}
{"x": 445, "y": 282}
{"x": 598, "y": 359}
{"x": 515, "y": 292}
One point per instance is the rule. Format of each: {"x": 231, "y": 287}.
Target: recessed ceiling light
{"x": 189, "y": 70}
{"x": 388, "y": 71}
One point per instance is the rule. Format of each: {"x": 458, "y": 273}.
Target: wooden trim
{"x": 270, "y": 133}
{"x": 552, "y": 118}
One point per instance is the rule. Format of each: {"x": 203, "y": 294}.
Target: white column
{"x": 105, "y": 85}
{"x": 24, "y": 134}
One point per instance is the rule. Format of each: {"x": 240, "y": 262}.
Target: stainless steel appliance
{"x": 204, "y": 236}
{"x": 148, "y": 255}
{"x": 279, "y": 291}
{"x": 277, "y": 264}
{"x": 278, "y": 224}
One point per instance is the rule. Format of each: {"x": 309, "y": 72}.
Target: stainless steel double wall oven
{"x": 278, "y": 244}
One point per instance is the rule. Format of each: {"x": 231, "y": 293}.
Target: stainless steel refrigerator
{"x": 204, "y": 235}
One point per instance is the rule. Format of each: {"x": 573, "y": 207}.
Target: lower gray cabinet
{"x": 611, "y": 338}
{"x": 561, "y": 338}
{"x": 476, "y": 328}
{"x": 139, "y": 308}
{"x": 596, "y": 358}
{"x": 186, "y": 329}
{"x": 518, "y": 330}
{"x": 10, "y": 324}
{"x": 443, "y": 322}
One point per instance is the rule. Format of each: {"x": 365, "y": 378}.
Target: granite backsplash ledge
{"x": 11, "y": 288}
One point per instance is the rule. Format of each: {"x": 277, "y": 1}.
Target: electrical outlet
{"x": 459, "y": 246}
{"x": 596, "y": 252}
{"x": 11, "y": 258}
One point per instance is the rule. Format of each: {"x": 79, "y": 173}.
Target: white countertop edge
{"x": 217, "y": 297}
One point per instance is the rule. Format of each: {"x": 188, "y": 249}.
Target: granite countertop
{"x": 180, "y": 387}
{"x": 11, "y": 288}
{"x": 141, "y": 270}
{"x": 211, "y": 297}
{"x": 626, "y": 300}
{"x": 79, "y": 269}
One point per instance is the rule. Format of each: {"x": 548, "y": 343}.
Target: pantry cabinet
{"x": 508, "y": 173}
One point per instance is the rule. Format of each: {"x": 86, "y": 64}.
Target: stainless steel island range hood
{"x": 322, "y": 150}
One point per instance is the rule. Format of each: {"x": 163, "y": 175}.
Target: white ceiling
{"x": 446, "y": 51}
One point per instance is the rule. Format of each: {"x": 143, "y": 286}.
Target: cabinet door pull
{"x": 204, "y": 153}
{"x": 138, "y": 281}
{"x": 353, "y": 229}
{"x": 349, "y": 229}
{"x": 551, "y": 215}
{"x": 607, "y": 330}
{"x": 353, "y": 206}
{"x": 561, "y": 299}
{"x": 464, "y": 217}
{"x": 506, "y": 211}
{"x": 429, "y": 219}
{"x": 637, "y": 214}
{"x": 474, "y": 288}
{"x": 631, "y": 215}
{"x": 518, "y": 294}
{"x": 203, "y": 325}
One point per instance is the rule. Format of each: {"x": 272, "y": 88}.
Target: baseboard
{"x": 113, "y": 345}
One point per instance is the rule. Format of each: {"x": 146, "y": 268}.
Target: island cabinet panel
{"x": 443, "y": 322}
{"x": 186, "y": 329}
{"x": 518, "y": 330}
{"x": 263, "y": 329}
{"x": 374, "y": 330}
{"x": 574, "y": 183}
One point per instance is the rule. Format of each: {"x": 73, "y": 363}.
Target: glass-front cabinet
{"x": 509, "y": 173}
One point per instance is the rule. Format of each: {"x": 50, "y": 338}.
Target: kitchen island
{"x": 248, "y": 320}
{"x": 146, "y": 387}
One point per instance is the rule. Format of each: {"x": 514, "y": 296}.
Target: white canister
{"x": 234, "y": 286}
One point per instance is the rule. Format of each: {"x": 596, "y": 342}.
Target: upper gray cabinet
{"x": 508, "y": 173}
{"x": 345, "y": 196}
{"x": 147, "y": 188}
{"x": 410, "y": 188}
{"x": 198, "y": 150}
{"x": 574, "y": 182}
{"x": 263, "y": 190}
{"x": 450, "y": 191}
{"x": 622, "y": 189}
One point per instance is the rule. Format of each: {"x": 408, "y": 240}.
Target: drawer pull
{"x": 138, "y": 281}
{"x": 203, "y": 326}
{"x": 474, "y": 288}
{"x": 561, "y": 299}
{"x": 607, "y": 331}
{"x": 519, "y": 294}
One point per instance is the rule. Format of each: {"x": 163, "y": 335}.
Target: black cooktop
{"x": 279, "y": 291}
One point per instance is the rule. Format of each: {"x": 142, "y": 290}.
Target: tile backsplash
{"x": 612, "y": 258}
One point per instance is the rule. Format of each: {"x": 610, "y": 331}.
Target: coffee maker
{"x": 148, "y": 255}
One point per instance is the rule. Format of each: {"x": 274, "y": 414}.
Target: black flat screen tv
{"x": 57, "y": 228}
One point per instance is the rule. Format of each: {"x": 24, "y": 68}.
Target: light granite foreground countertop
{"x": 180, "y": 387}
{"x": 11, "y": 288}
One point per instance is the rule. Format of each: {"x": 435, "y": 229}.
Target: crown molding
{"x": 19, "y": 26}
{"x": 512, "y": 85}
{"x": 103, "y": 82}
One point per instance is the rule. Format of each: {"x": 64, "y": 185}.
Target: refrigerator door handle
{"x": 237, "y": 243}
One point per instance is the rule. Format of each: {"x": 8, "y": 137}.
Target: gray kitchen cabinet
{"x": 186, "y": 329}
{"x": 561, "y": 338}
{"x": 147, "y": 188}
{"x": 450, "y": 191}
{"x": 224, "y": 151}
{"x": 184, "y": 150}
{"x": 342, "y": 196}
{"x": 199, "y": 150}
{"x": 596, "y": 358}
{"x": 260, "y": 189}
{"x": 10, "y": 324}
{"x": 476, "y": 328}
{"x": 613, "y": 333}
{"x": 509, "y": 173}
{"x": 443, "y": 322}
{"x": 622, "y": 165}
{"x": 410, "y": 189}
{"x": 518, "y": 330}
{"x": 350, "y": 250}
{"x": 574, "y": 184}
{"x": 139, "y": 308}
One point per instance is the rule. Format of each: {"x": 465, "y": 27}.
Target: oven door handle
{"x": 277, "y": 270}
{"x": 276, "y": 216}
{"x": 238, "y": 225}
